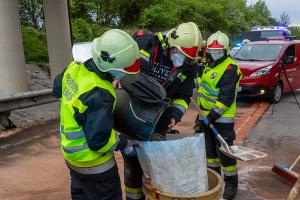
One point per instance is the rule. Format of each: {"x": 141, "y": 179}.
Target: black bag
{"x": 144, "y": 88}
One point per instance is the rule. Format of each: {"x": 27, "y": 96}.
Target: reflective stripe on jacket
{"x": 209, "y": 91}
{"x": 77, "y": 80}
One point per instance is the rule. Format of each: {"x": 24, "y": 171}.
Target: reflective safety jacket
{"x": 78, "y": 80}
{"x": 218, "y": 90}
{"x": 178, "y": 84}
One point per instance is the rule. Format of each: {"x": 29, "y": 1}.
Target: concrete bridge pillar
{"x": 12, "y": 59}
{"x": 58, "y": 35}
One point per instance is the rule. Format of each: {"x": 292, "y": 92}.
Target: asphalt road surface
{"x": 32, "y": 167}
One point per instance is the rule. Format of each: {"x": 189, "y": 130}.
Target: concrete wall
{"x": 12, "y": 59}
{"x": 58, "y": 35}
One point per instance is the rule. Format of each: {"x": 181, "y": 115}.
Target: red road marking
{"x": 249, "y": 119}
{"x": 246, "y": 118}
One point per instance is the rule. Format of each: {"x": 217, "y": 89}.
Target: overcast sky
{"x": 292, "y": 7}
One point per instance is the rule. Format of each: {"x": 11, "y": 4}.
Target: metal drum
{"x": 135, "y": 118}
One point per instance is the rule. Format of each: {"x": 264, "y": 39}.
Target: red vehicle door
{"x": 290, "y": 69}
{"x": 297, "y": 66}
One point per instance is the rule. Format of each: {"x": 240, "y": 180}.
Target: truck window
{"x": 290, "y": 51}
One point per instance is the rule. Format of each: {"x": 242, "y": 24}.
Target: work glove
{"x": 213, "y": 116}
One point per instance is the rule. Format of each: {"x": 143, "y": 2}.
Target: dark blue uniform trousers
{"x": 104, "y": 186}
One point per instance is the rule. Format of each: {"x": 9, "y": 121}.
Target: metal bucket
{"x": 215, "y": 184}
{"x": 137, "y": 119}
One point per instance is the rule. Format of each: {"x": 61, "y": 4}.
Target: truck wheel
{"x": 277, "y": 94}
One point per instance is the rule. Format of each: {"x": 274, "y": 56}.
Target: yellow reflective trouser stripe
{"x": 213, "y": 160}
{"x": 80, "y": 106}
{"x": 230, "y": 168}
{"x": 133, "y": 190}
{"x": 221, "y": 106}
{"x": 145, "y": 53}
{"x": 181, "y": 76}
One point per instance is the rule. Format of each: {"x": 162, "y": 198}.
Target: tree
{"x": 31, "y": 13}
{"x": 81, "y": 9}
{"x": 262, "y": 9}
{"x": 261, "y": 14}
{"x": 91, "y": 18}
{"x": 35, "y": 46}
{"x": 82, "y": 31}
{"x": 295, "y": 31}
{"x": 159, "y": 16}
{"x": 285, "y": 19}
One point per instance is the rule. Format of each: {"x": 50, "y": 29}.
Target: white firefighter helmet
{"x": 186, "y": 38}
{"x": 116, "y": 50}
{"x": 218, "y": 40}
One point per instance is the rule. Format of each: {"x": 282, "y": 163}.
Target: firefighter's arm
{"x": 97, "y": 121}
{"x": 57, "y": 85}
{"x": 181, "y": 98}
{"x": 180, "y": 106}
{"x": 226, "y": 97}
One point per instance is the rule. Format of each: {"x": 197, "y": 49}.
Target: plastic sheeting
{"x": 82, "y": 51}
{"x": 175, "y": 166}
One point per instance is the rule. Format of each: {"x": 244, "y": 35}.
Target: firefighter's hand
{"x": 116, "y": 84}
{"x": 172, "y": 124}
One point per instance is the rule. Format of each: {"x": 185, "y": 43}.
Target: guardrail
{"x": 25, "y": 100}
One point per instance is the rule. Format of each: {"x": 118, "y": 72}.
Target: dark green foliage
{"x": 84, "y": 31}
{"x": 31, "y": 13}
{"x": 81, "y": 30}
{"x": 91, "y": 18}
{"x": 295, "y": 31}
{"x": 35, "y": 46}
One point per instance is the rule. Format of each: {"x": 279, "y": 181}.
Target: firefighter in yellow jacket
{"x": 88, "y": 100}
{"x": 218, "y": 82}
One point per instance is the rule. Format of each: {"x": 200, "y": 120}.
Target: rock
{"x": 2, "y": 128}
{"x": 37, "y": 78}
{"x": 4, "y": 120}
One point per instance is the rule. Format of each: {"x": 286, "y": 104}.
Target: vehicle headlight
{"x": 261, "y": 72}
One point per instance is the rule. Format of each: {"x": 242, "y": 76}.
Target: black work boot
{"x": 231, "y": 187}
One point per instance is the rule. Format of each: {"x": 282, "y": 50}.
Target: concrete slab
{"x": 28, "y": 117}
